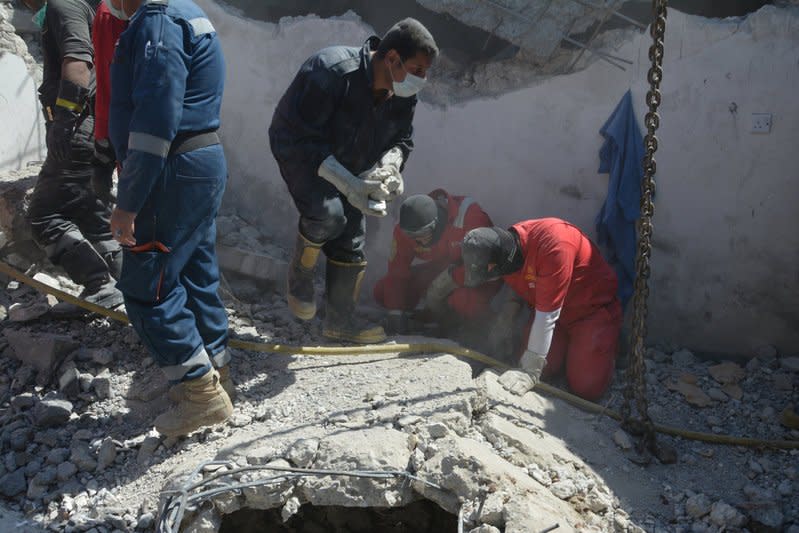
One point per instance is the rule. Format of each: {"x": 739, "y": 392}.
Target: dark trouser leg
{"x": 346, "y": 266}
{"x": 180, "y": 215}
{"x": 322, "y": 218}
{"x": 65, "y": 217}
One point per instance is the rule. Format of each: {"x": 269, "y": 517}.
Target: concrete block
{"x": 256, "y": 265}
{"x": 25, "y": 141}
{"x": 41, "y": 351}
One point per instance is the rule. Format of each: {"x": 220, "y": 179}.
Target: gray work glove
{"x": 387, "y": 171}
{"x": 435, "y": 299}
{"x": 357, "y": 191}
{"x": 516, "y": 381}
{"x": 519, "y": 382}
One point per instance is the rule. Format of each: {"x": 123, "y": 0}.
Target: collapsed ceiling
{"x": 490, "y": 47}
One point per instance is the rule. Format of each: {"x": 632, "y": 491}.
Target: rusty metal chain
{"x": 635, "y": 391}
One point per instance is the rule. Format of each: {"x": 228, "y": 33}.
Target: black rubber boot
{"x": 343, "y": 286}
{"x": 300, "y": 290}
{"x": 86, "y": 267}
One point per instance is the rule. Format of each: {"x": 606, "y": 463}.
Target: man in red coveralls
{"x": 430, "y": 230}
{"x": 560, "y": 273}
{"x": 106, "y": 30}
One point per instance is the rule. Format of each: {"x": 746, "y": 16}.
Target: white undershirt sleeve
{"x": 542, "y": 330}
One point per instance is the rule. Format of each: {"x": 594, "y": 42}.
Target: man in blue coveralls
{"x": 166, "y": 90}
{"x": 341, "y": 135}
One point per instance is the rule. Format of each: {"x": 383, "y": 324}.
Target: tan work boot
{"x": 177, "y": 391}
{"x": 204, "y": 403}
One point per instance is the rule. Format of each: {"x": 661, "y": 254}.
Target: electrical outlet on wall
{"x": 761, "y": 122}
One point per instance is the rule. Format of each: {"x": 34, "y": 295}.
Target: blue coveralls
{"x": 167, "y": 80}
{"x": 329, "y": 109}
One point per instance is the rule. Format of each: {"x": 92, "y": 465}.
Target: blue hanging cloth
{"x": 621, "y": 156}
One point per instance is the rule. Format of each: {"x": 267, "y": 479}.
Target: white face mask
{"x": 118, "y": 13}
{"x": 408, "y": 87}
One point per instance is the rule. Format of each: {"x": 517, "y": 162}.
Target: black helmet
{"x": 489, "y": 254}
{"x": 419, "y": 216}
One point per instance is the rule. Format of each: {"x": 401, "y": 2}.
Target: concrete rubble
{"x": 84, "y": 456}
{"x": 77, "y": 400}
{"x": 79, "y": 453}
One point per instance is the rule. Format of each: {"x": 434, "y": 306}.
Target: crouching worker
{"x": 166, "y": 90}
{"x": 430, "y": 231}
{"x": 571, "y": 290}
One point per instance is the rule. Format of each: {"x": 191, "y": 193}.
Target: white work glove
{"x": 358, "y": 191}
{"x": 519, "y": 382}
{"x": 387, "y": 171}
{"x": 435, "y": 299}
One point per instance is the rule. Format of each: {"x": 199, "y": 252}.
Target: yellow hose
{"x": 427, "y": 347}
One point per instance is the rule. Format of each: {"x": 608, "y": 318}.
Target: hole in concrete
{"x": 419, "y": 517}
{"x": 461, "y": 42}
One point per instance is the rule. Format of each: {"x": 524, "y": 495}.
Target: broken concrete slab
{"x": 727, "y": 373}
{"x": 790, "y": 364}
{"x": 257, "y": 265}
{"x": 25, "y": 312}
{"x": 52, "y": 412}
{"x": 368, "y": 449}
{"x": 692, "y": 394}
{"x": 465, "y": 468}
{"x": 42, "y": 351}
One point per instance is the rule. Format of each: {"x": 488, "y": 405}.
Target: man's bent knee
{"x": 590, "y": 383}
{"x": 325, "y": 228}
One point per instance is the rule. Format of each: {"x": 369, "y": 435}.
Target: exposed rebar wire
{"x": 581, "y": 52}
{"x": 610, "y": 58}
{"x": 175, "y": 508}
{"x": 613, "y": 12}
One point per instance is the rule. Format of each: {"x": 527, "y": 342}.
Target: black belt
{"x": 193, "y": 141}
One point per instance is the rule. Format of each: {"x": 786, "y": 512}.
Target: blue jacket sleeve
{"x": 158, "y": 87}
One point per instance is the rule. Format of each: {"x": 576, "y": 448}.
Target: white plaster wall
{"x": 22, "y": 134}
{"x": 725, "y": 274}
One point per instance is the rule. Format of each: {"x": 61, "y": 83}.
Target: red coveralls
{"x": 405, "y": 284}
{"x": 106, "y": 30}
{"x": 564, "y": 270}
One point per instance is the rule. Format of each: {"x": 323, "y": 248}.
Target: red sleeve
{"x": 402, "y": 254}
{"x": 106, "y": 30}
{"x": 475, "y": 218}
{"x": 554, "y": 268}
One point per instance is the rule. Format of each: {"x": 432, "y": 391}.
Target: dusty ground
{"x": 283, "y": 399}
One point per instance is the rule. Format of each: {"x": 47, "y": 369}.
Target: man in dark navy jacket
{"x": 341, "y": 135}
